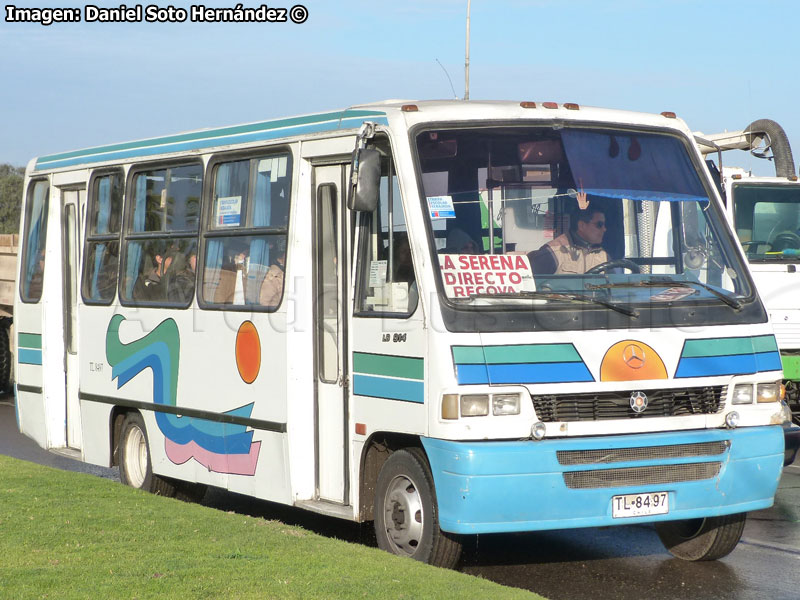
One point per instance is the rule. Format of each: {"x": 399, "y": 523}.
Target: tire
{"x": 702, "y": 539}
{"x": 5, "y": 358}
{"x": 135, "y": 467}
{"x": 406, "y": 512}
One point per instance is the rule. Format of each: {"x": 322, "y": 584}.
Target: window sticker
{"x": 466, "y": 275}
{"x": 441, "y": 207}
{"x": 229, "y": 211}
{"x": 377, "y": 273}
{"x": 673, "y": 294}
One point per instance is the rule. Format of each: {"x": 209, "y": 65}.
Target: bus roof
{"x": 340, "y": 120}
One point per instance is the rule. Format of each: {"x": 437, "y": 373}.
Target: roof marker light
{"x": 736, "y": 176}
{"x": 526, "y": 104}
{"x": 550, "y": 104}
{"x": 409, "y": 108}
{"x": 669, "y": 114}
{"x": 571, "y": 106}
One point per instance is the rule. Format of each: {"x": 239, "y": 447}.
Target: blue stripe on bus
{"x": 523, "y": 373}
{"x": 738, "y": 364}
{"x": 28, "y": 356}
{"x": 391, "y": 389}
{"x": 197, "y": 144}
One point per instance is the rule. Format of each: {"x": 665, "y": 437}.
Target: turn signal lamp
{"x": 768, "y": 392}
{"x": 450, "y": 406}
{"x": 743, "y": 393}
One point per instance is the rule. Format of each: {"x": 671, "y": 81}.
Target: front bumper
{"x": 491, "y": 487}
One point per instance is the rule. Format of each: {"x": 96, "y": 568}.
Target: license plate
{"x": 639, "y": 505}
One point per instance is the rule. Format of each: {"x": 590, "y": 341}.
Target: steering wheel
{"x": 785, "y": 239}
{"x": 619, "y": 263}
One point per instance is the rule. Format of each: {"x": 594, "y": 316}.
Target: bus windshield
{"x": 768, "y": 221}
{"x": 553, "y": 215}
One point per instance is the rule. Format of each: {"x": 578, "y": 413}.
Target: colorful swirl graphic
{"x": 220, "y": 447}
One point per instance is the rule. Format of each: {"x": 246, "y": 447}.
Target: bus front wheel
{"x": 406, "y": 512}
{"x": 702, "y": 539}
{"x": 135, "y": 467}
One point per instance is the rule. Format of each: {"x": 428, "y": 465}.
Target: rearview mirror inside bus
{"x": 364, "y": 197}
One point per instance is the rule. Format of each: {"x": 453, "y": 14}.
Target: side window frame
{"x": 24, "y": 280}
{"x": 91, "y": 237}
{"x": 209, "y": 233}
{"x": 165, "y": 235}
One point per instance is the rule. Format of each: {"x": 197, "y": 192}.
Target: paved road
{"x": 625, "y": 563}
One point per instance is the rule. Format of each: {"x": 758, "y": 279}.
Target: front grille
{"x": 612, "y": 455}
{"x": 616, "y": 405}
{"x": 635, "y": 476}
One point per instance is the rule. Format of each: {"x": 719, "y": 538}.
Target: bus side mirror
{"x": 365, "y": 189}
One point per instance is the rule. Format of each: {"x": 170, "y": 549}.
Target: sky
{"x": 718, "y": 64}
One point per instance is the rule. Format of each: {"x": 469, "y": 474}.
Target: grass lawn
{"x": 70, "y": 535}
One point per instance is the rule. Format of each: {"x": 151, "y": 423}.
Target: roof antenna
{"x": 466, "y": 60}
{"x": 455, "y": 96}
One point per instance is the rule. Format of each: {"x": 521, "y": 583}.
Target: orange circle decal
{"x": 631, "y": 360}
{"x": 248, "y": 352}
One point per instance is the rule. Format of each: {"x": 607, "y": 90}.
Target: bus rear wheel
{"x": 135, "y": 466}
{"x": 406, "y": 512}
{"x": 702, "y": 539}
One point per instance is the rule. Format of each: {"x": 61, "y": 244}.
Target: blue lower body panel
{"x": 491, "y": 487}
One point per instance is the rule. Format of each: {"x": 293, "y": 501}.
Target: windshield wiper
{"x": 662, "y": 282}
{"x": 620, "y": 308}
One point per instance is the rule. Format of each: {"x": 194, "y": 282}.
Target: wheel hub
{"x": 403, "y": 515}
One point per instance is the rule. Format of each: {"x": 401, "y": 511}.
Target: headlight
{"x": 743, "y": 393}
{"x": 505, "y": 404}
{"x": 475, "y": 405}
{"x": 768, "y": 392}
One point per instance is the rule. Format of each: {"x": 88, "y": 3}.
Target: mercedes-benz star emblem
{"x": 638, "y": 402}
{"x": 633, "y": 355}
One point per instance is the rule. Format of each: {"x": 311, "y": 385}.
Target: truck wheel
{"x": 406, "y": 512}
{"x": 135, "y": 468}
{"x": 702, "y": 539}
{"x": 5, "y": 359}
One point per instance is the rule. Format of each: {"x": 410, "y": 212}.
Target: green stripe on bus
{"x": 391, "y": 366}
{"x": 531, "y": 353}
{"x": 468, "y": 355}
{"x": 212, "y": 133}
{"x": 519, "y": 354}
{"x": 30, "y": 340}
{"x": 729, "y": 346}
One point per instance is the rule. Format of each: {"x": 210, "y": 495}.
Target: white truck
{"x": 765, "y": 213}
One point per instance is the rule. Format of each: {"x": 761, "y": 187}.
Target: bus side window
{"x": 102, "y": 239}
{"x": 386, "y": 280}
{"x": 35, "y": 234}
{"x": 161, "y": 236}
{"x": 244, "y": 241}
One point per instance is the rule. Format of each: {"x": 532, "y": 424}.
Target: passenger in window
{"x": 181, "y": 279}
{"x": 150, "y": 285}
{"x": 272, "y": 288}
{"x": 575, "y": 251}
